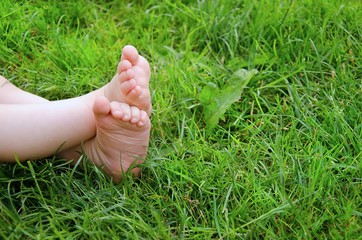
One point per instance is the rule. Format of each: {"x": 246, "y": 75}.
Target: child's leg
{"x": 129, "y": 85}
{"x": 32, "y": 127}
{"x": 34, "y": 131}
{"x": 37, "y": 130}
{"x": 31, "y": 131}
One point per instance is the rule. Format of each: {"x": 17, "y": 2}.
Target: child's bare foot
{"x": 131, "y": 83}
{"x": 121, "y": 140}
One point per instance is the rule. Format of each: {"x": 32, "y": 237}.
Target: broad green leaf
{"x": 216, "y": 101}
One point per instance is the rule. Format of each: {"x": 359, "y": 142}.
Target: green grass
{"x": 284, "y": 163}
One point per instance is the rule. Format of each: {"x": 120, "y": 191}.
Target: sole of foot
{"x": 121, "y": 140}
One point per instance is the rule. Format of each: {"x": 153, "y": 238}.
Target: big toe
{"x": 130, "y": 53}
{"x": 101, "y": 106}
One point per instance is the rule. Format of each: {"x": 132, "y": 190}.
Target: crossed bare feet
{"x": 122, "y": 118}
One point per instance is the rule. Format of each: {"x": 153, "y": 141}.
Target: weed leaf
{"x": 215, "y": 101}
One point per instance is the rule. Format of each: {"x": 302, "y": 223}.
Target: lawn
{"x": 273, "y": 155}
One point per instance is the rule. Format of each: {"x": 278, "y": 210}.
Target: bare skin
{"x": 32, "y": 127}
{"x": 133, "y": 73}
{"x": 122, "y": 137}
{"x": 130, "y": 85}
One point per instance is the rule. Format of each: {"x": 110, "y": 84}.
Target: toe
{"x": 126, "y": 75}
{"x": 126, "y": 112}
{"x": 116, "y": 111}
{"x": 128, "y": 86}
{"x": 135, "y": 115}
{"x": 135, "y": 92}
{"x": 143, "y": 119}
{"x": 121, "y": 111}
{"x": 130, "y": 53}
{"x": 101, "y": 106}
{"x": 124, "y": 65}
